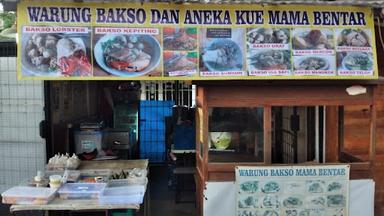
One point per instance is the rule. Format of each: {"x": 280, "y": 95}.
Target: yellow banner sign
{"x": 156, "y": 41}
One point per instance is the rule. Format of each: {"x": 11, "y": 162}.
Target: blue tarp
{"x": 152, "y": 129}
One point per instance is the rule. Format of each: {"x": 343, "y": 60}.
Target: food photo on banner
{"x": 354, "y": 52}
{"x": 268, "y": 51}
{"x": 180, "y": 51}
{"x": 313, "y": 52}
{"x": 222, "y": 52}
{"x": 127, "y": 52}
{"x": 56, "y": 51}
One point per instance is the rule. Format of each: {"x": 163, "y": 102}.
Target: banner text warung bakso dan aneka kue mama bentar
{"x": 100, "y": 41}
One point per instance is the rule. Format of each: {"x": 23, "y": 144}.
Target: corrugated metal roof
{"x": 375, "y": 3}
{"x": 371, "y": 3}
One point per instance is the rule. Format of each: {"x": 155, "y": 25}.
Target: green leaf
{"x": 8, "y": 18}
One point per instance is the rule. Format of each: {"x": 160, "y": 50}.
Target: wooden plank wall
{"x": 356, "y": 141}
{"x": 378, "y": 170}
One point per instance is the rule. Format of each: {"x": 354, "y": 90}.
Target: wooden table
{"x": 74, "y": 205}
{"x": 79, "y": 205}
{"x": 114, "y": 165}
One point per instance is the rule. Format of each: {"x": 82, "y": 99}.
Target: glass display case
{"x": 235, "y": 134}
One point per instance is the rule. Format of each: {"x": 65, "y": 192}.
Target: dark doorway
{"x": 297, "y": 134}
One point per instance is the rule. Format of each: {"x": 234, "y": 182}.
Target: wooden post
{"x": 332, "y": 134}
{"x": 267, "y": 134}
{"x": 372, "y": 138}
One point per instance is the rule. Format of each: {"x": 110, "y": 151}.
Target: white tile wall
{"x": 22, "y": 151}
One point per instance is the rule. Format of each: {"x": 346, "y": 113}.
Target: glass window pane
{"x": 236, "y": 134}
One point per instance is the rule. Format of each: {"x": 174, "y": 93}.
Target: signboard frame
{"x": 309, "y": 42}
{"x": 292, "y": 190}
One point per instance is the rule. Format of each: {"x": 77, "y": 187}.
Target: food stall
{"x": 246, "y": 136}
{"x": 276, "y": 84}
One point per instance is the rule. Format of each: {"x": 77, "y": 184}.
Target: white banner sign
{"x": 292, "y": 190}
